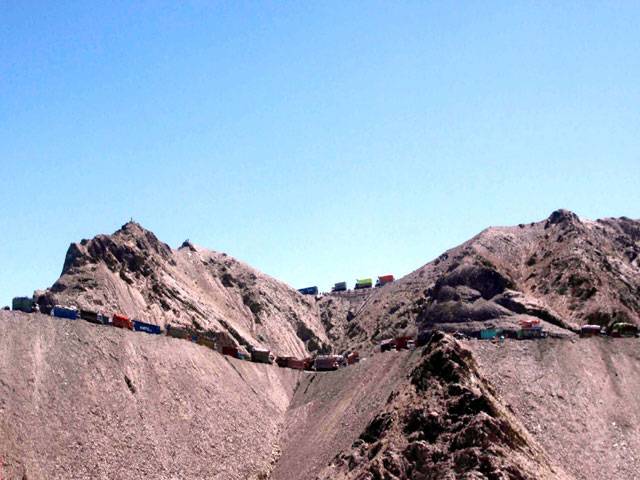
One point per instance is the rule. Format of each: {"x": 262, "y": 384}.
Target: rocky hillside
{"x": 445, "y": 423}
{"x": 565, "y": 271}
{"x": 134, "y": 273}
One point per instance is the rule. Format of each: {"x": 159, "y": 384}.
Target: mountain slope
{"x": 564, "y": 271}
{"x": 132, "y": 272}
{"x": 82, "y": 401}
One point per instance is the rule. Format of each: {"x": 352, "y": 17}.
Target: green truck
{"x": 363, "y": 283}
{"x": 23, "y": 304}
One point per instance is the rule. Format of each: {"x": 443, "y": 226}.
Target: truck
{"x": 339, "y": 287}
{"x": 590, "y": 330}
{"x": 261, "y": 355}
{"x": 69, "y": 313}
{"x": 327, "y": 362}
{"x": 309, "y": 291}
{"x": 383, "y": 280}
{"x": 623, "y": 329}
{"x": 179, "y": 332}
{"x": 362, "y": 283}
{"x": 139, "y": 326}
{"x": 402, "y": 343}
{"x": 23, "y": 304}
{"x": 94, "y": 317}
{"x": 121, "y": 321}
{"x": 296, "y": 363}
{"x": 387, "y": 345}
{"x": 353, "y": 357}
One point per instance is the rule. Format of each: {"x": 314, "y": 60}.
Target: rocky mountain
{"x": 79, "y": 400}
{"x": 564, "y": 271}
{"x": 134, "y": 273}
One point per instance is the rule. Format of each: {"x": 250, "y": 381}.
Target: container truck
{"x": 309, "y": 291}
{"x": 327, "y": 362}
{"x": 23, "y": 304}
{"x": 121, "y": 321}
{"x": 261, "y": 355}
{"x": 339, "y": 287}
{"x": 383, "y": 280}
{"x": 363, "y": 283}
{"x": 139, "y": 326}
{"x": 69, "y": 313}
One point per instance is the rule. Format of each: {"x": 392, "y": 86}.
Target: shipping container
{"x": 296, "y": 363}
{"x": 339, "y": 287}
{"x": 139, "y": 326}
{"x": 363, "y": 283}
{"x": 309, "y": 291}
{"x": 261, "y": 355}
{"x": 23, "y": 304}
{"x": 384, "y": 279}
{"x": 69, "y": 313}
{"x": 121, "y": 321}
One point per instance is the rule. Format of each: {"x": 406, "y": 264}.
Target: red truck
{"x": 295, "y": 363}
{"x": 121, "y": 321}
{"x": 352, "y": 358}
{"x": 383, "y": 280}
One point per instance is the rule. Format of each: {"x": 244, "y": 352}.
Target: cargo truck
{"x": 309, "y": 291}
{"x": 339, "y": 287}
{"x": 139, "y": 326}
{"x": 362, "y": 283}
{"x": 121, "y": 321}
{"x": 69, "y": 313}
{"x": 261, "y": 355}
{"x": 327, "y": 362}
{"x": 23, "y": 304}
{"x": 383, "y": 280}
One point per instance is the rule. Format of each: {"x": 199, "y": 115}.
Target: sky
{"x": 317, "y": 141}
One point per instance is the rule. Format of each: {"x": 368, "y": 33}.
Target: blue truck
{"x": 309, "y": 291}
{"x": 139, "y": 326}
{"x": 64, "y": 312}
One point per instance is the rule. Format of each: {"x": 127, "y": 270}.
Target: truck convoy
{"x": 361, "y": 284}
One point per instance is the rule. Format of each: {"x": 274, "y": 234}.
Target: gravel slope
{"x": 578, "y": 398}
{"x": 80, "y": 401}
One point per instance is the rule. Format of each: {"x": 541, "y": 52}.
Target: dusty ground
{"x": 80, "y": 401}
{"x": 578, "y": 398}
{"x": 331, "y": 409}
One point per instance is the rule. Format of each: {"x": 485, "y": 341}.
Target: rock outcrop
{"x": 447, "y": 423}
{"x": 134, "y": 273}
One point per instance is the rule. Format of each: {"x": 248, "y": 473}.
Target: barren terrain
{"x": 79, "y": 400}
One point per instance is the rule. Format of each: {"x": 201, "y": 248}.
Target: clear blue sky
{"x": 317, "y": 141}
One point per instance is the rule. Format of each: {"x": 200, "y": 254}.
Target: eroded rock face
{"x": 134, "y": 273}
{"x": 447, "y": 423}
{"x": 565, "y": 271}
